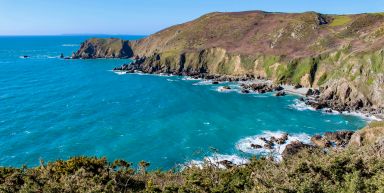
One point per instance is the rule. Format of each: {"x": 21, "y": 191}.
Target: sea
{"x": 51, "y": 109}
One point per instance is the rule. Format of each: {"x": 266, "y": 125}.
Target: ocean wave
{"x": 217, "y": 160}
{"x": 118, "y": 72}
{"x": 245, "y": 145}
{"x": 70, "y": 45}
{"x": 203, "y": 82}
{"x": 190, "y": 78}
{"x": 39, "y": 57}
{"x": 366, "y": 117}
{"x": 301, "y": 106}
{"x": 171, "y": 80}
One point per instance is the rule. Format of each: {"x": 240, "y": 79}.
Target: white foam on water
{"x": 171, "y": 80}
{"x": 301, "y": 106}
{"x": 190, "y": 78}
{"x": 118, "y": 72}
{"x": 166, "y": 75}
{"x": 366, "y": 117}
{"x": 51, "y": 57}
{"x": 215, "y": 160}
{"x": 222, "y": 89}
{"x": 204, "y": 82}
{"x": 244, "y": 145}
{"x": 70, "y": 45}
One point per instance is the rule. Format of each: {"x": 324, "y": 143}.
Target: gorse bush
{"x": 349, "y": 170}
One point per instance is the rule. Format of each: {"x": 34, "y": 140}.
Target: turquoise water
{"x": 53, "y": 109}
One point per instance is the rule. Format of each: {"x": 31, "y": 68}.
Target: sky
{"x": 133, "y": 17}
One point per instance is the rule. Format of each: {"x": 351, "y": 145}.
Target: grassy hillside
{"x": 311, "y": 49}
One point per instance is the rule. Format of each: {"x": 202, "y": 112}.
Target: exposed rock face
{"x": 343, "y": 96}
{"x": 263, "y": 87}
{"x": 342, "y": 58}
{"x": 332, "y": 139}
{"x": 371, "y": 134}
{"x": 104, "y": 48}
{"x": 294, "y": 147}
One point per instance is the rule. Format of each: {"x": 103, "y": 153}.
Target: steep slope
{"x": 342, "y": 54}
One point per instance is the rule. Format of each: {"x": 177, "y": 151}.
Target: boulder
{"x": 259, "y": 87}
{"x": 256, "y": 146}
{"x": 309, "y": 92}
{"x": 278, "y": 88}
{"x": 297, "y": 86}
{"x": 321, "y": 142}
{"x": 371, "y": 134}
{"x": 280, "y": 93}
{"x": 226, "y": 163}
{"x": 268, "y": 146}
{"x": 340, "y": 138}
{"x": 294, "y": 147}
{"x": 283, "y": 139}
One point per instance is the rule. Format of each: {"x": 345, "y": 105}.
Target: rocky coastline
{"x": 323, "y": 98}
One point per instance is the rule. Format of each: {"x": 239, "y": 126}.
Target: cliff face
{"x": 342, "y": 54}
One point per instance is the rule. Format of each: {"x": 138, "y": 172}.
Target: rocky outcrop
{"x": 342, "y": 96}
{"x": 332, "y": 139}
{"x": 295, "y": 147}
{"x": 263, "y": 87}
{"x": 369, "y": 135}
{"x": 342, "y": 59}
{"x": 104, "y": 48}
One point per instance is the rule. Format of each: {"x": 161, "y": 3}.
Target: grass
{"x": 376, "y": 124}
{"x": 340, "y": 20}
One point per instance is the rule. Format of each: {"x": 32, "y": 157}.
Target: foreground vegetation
{"x": 357, "y": 168}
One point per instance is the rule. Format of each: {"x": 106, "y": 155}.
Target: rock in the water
{"x": 215, "y": 82}
{"x": 256, "y": 146}
{"x": 280, "y": 93}
{"x": 309, "y": 92}
{"x": 268, "y": 146}
{"x": 278, "y": 88}
{"x": 283, "y": 139}
{"x": 259, "y": 87}
{"x": 297, "y": 86}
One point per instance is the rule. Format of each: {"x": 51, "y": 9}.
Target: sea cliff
{"x": 341, "y": 55}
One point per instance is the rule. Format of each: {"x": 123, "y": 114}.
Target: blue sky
{"x": 50, "y": 17}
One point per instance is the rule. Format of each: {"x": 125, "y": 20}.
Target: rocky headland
{"x": 339, "y": 55}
